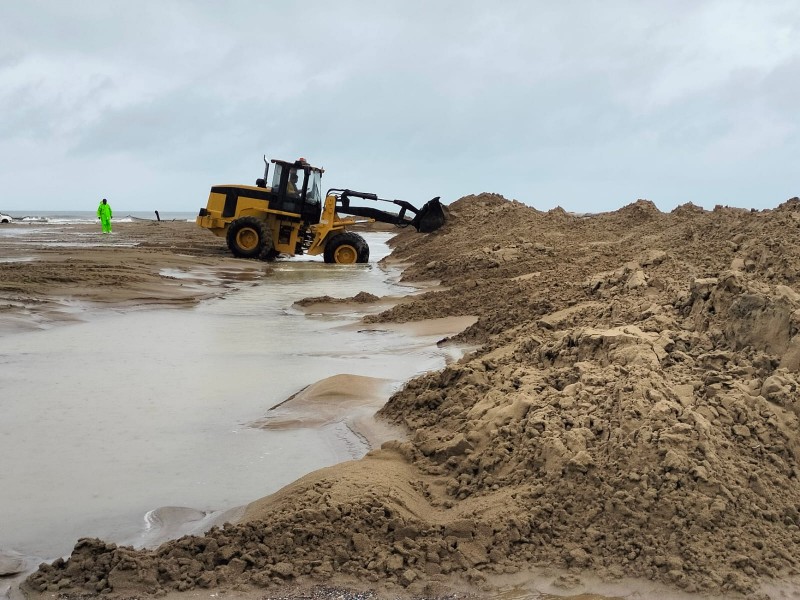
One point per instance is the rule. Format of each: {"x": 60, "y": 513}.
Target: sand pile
{"x": 632, "y": 411}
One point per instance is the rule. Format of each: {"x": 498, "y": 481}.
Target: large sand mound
{"x": 632, "y": 411}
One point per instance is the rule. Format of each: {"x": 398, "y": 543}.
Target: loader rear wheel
{"x": 346, "y": 249}
{"x": 249, "y": 237}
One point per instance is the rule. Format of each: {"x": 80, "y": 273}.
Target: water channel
{"x": 124, "y": 412}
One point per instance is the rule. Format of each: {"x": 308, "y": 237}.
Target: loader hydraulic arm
{"x": 426, "y": 219}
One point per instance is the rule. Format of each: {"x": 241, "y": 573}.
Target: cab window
{"x": 314, "y": 191}
{"x": 276, "y": 177}
{"x": 296, "y": 181}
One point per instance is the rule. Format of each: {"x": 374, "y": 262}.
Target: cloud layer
{"x": 587, "y": 106}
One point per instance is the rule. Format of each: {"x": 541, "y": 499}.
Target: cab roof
{"x": 297, "y": 164}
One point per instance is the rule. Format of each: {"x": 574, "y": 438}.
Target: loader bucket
{"x": 430, "y": 217}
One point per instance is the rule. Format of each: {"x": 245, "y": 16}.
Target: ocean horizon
{"x": 58, "y": 217}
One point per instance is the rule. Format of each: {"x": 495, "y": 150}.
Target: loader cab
{"x": 298, "y": 187}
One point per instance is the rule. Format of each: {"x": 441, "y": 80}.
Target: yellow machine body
{"x": 291, "y": 217}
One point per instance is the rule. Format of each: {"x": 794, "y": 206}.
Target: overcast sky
{"x": 587, "y": 105}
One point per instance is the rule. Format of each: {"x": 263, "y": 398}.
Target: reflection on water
{"x": 16, "y": 259}
{"x": 105, "y": 420}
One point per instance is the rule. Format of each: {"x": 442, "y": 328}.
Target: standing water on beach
{"x": 124, "y": 412}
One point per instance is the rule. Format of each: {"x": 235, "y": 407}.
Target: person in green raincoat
{"x": 104, "y": 214}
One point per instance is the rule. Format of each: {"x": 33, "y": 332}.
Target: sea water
{"x": 107, "y": 419}
{"x": 62, "y": 217}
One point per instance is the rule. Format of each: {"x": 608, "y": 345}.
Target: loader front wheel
{"x": 346, "y": 249}
{"x": 269, "y": 254}
{"x": 248, "y": 237}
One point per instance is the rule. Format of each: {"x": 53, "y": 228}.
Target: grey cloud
{"x": 587, "y": 105}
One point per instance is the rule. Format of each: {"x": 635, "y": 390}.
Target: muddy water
{"x": 105, "y": 420}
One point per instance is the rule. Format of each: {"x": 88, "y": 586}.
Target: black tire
{"x": 363, "y": 251}
{"x": 346, "y": 249}
{"x": 269, "y": 254}
{"x": 249, "y": 237}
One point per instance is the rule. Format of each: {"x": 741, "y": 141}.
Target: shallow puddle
{"x": 105, "y": 420}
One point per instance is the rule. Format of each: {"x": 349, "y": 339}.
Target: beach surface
{"x": 628, "y": 424}
{"x": 46, "y": 270}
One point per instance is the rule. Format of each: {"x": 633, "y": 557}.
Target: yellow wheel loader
{"x": 290, "y": 216}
